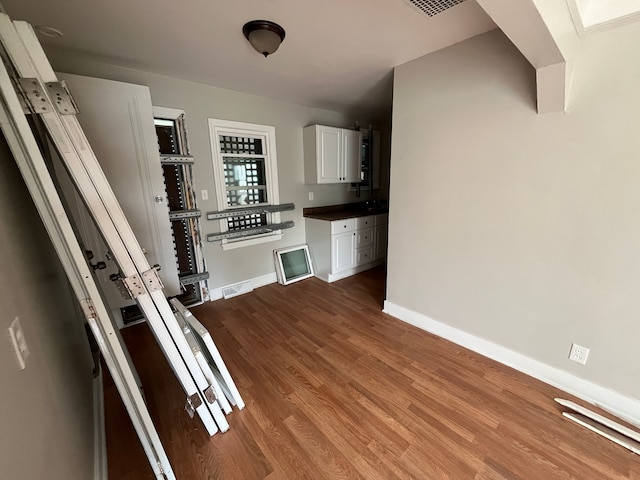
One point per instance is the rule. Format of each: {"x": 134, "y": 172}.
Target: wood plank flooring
{"x": 335, "y": 389}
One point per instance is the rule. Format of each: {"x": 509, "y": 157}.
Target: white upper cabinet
{"x": 331, "y": 155}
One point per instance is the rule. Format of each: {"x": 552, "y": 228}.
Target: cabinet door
{"x": 343, "y": 251}
{"x": 380, "y": 242}
{"x": 329, "y": 154}
{"x": 351, "y": 149}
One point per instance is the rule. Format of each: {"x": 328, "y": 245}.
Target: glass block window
{"x": 246, "y": 145}
{"x": 245, "y": 180}
{"x": 247, "y": 221}
{"x": 245, "y": 169}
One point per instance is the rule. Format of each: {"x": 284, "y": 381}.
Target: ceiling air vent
{"x": 433, "y": 7}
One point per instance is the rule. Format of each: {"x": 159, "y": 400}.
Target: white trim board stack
{"x": 26, "y": 78}
{"x": 617, "y": 433}
{"x": 212, "y": 363}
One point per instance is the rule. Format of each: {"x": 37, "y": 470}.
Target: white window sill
{"x": 248, "y": 242}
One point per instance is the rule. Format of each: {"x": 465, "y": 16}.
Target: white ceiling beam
{"x": 523, "y": 24}
{"x": 551, "y": 87}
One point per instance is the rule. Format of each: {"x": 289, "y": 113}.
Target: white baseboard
{"x": 99, "y": 433}
{"x": 626, "y": 408}
{"x": 257, "y": 282}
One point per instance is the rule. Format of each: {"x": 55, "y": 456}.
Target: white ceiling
{"x": 337, "y": 54}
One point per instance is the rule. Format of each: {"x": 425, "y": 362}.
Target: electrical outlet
{"x": 204, "y": 194}
{"x": 578, "y": 354}
{"x": 19, "y": 342}
{"x": 310, "y": 196}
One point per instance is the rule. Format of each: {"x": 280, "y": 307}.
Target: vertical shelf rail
{"x": 177, "y": 168}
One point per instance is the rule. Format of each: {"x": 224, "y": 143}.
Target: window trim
{"x": 218, "y": 127}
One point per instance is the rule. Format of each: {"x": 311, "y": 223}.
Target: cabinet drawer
{"x": 364, "y": 255}
{"x": 365, "y": 222}
{"x": 364, "y": 237}
{"x": 382, "y": 219}
{"x": 340, "y": 226}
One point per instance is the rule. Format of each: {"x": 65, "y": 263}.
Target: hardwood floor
{"x": 335, "y": 389}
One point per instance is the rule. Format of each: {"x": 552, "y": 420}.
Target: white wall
{"x": 519, "y": 228}
{"x": 46, "y": 416}
{"x": 201, "y": 102}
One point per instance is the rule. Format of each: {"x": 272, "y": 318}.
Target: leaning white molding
{"x": 99, "y": 433}
{"x": 626, "y": 408}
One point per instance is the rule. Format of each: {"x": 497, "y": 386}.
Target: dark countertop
{"x": 341, "y": 212}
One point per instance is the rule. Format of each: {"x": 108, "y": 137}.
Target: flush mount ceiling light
{"x": 264, "y": 36}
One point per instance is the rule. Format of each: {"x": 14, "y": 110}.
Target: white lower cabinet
{"x": 342, "y": 248}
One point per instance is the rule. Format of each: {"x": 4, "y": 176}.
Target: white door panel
{"x": 117, "y": 119}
